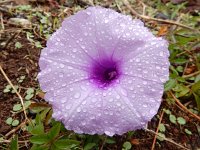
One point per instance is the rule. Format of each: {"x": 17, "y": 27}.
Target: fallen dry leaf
{"x": 163, "y": 31}
{"x": 135, "y": 142}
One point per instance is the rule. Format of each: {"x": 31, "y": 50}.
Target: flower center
{"x": 104, "y": 72}
{"x": 110, "y": 74}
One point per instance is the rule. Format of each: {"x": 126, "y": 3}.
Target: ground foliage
{"x": 22, "y": 40}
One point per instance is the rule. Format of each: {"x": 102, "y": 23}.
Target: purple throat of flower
{"x": 105, "y": 72}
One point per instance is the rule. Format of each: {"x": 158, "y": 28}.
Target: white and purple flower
{"x": 103, "y": 72}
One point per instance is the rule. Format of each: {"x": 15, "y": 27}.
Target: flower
{"x": 103, "y": 72}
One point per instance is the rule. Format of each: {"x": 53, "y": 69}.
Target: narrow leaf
{"x": 14, "y": 143}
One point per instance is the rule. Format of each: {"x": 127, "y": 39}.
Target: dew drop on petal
{"x": 77, "y": 95}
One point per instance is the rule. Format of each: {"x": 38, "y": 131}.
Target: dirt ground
{"x": 23, "y": 61}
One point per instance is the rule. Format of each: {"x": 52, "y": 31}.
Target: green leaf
{"x": 66, "y": 143}
{"x": 170, "y": 84}
{"x": 188, "y": 132}
{"x": 162, "y": 127}
{"x": 127, "y": 145}
{"x": 160, "y": 136}
{"x": 110, "y": 141}
{"x": 43, "y": 114}
{"x": 38, "y": 44}
{"x": 27, "y": 104}
{"x": 17, "y": 107}
{"x": 38, "y": 129}
{"x": 55, "y": 130}
{"x": 29, "y": 96}
{"x": 181, "y": 120}
{"x": 15, "y": 122}
{"x": 89, "y": 146}
{"x": 180, "y": 68}
{"x": 18, "y": 45}
{"x": 172, "y": 119}
{"x": 30, "y": 91}
{"x": 196, "y": 92}
{"x": 167, "y": 111}
{"x": 8, "y": 86}
{"x": 39, "y": 139}
{"x": 1, "y": 139}
{"x": 39, "y": 147}
{"x": 197, "y": 99}
{"x": 6, "y": 90}
{"x": 14, "y": 143}
{"x": 38, "y": 119}
{"x": 22, "y": 77}
{"x": 184, "y": 91}
{"x": 9, "y": 121}
{"x": 196, "y": 86}
{"x": 16, "y": 87}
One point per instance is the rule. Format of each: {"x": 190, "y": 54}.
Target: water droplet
{"x": 118, "y": 104}
{"x": 137, "y": 59}
{"x": 152, "y": 111}
{"x": 145, "y": 105}
{"x": 130, "y": 81}
{"x": 144, "y": 82}
{"x": 64, "y": 84}
{"x": 161, "y": 53}
{"x": 162, "y": 79}
{"x": 74, "y": 50}
{"x": 77, "y": 95}
{"x": 84, "y": 102}
{"x": 78, "y": 109}
{"x": 68, "y": 107}
{"x": 109, "y": 133}
{"x": 145, "y": 71}
{"x": 124, "y": 92}
{"x": 106, "y": 20}
{"x": 62, "y": 101}
{"x": 157, "y": 67}
{"x": 83, "y": 47}
{"x": 62, "y": 65}
{"x": 94, "y": 100}
{"x": 110, "y": 100}
{"x": 117, "y": 97}
{"x": 61, "y": 75}
{"x": 88, "y": 12}
{"x": 86, "y": 34}
{"x": 83, "y": 123}
{"x": 69, "y": 67}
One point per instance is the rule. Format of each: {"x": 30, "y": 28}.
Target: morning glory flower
{"x": 103, "y": 72}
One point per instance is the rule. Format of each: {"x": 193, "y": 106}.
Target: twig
{"x": 11, "y": 38}
{"x": 8, "y": 80}
{"x": 8, "y": 141}
{"x": 183, "y": 107}
{"x": 2, "y": 24}
{"x": 155, "y": 137}
{"x": 84, "y": 3}
{"x": 185, "y": 68}
{"x": 154, "y": 19}
{"x": 143, "y": 6}
{"x": 192, "y": 74}
{"x": 104, "y": 140}
{"x": 6, "y": 1}
{"x": 166, "y": 139}
{"x": 15, "y": 129}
